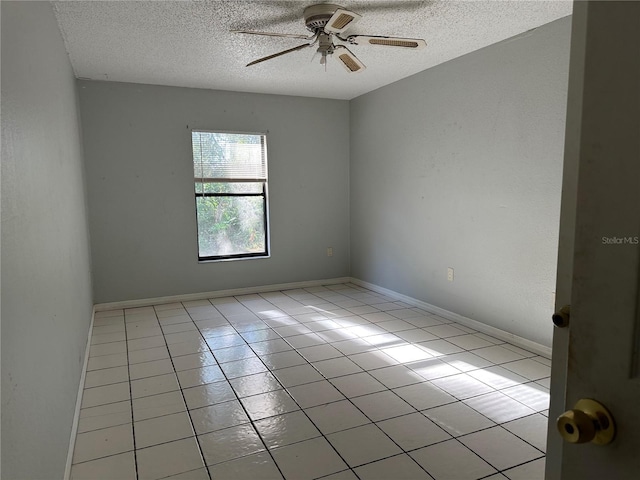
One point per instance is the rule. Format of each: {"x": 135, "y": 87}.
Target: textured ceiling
{"x": 188, "y": 43}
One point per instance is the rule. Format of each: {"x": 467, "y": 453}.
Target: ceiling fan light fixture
{"x": 341, "y": 20}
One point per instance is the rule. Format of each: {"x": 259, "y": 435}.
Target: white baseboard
{"x": 218, "y": 293}
{"x": 76, "y": 414}
{"x": 476, "y": 325}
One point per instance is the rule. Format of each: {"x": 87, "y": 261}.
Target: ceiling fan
{"x": 327, "y": 23}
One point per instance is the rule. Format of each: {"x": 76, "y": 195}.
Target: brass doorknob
{"x": 561, "y": 317}
{"x": 588, "y": 421}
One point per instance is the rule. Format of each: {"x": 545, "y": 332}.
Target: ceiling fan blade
{"x": 273, "y": 34}
{"x": 410, "y": 43}
{"x": 349, "y": 60}
{"x": 269, "y": 57}
{"x": 341, "y": 20}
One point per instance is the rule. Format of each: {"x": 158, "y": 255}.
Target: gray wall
{"x": 460, "y": 166}
{"x": 140, "y": 182}
{"x": 46, "y": 282}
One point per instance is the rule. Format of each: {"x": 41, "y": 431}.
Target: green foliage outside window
{"x": 230, "y": 225}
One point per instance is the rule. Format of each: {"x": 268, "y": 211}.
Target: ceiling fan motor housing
{"x": 317, "y": 16}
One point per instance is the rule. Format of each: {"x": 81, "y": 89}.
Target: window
{"x": 230, "y": 173}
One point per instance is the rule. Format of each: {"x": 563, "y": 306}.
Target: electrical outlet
{"x": 450, "y": 274}
{"x": 329, "y": 251}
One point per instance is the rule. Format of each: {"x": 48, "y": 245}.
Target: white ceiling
{"x": 188, "y": 43}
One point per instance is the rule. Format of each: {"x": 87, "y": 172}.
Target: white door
{"x": 597, "y": 356}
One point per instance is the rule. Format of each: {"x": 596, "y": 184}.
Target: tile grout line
{"x": 251, "y": 422}
{"x": 286, "y": 389}
{"x": 175, "y": 372}
{"x": 371, "y": 422}
{"x": 288, "y": 393}
{"x": 133, "y": 427}
{"x": 302, "y": 410}
{"x": 458, "y": 400}
{"x": 520, "y": 465}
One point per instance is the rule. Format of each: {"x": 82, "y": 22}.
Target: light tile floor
{"x": 334, "y": 382}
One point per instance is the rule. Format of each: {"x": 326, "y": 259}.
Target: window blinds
{"x": 220, "y": 157}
